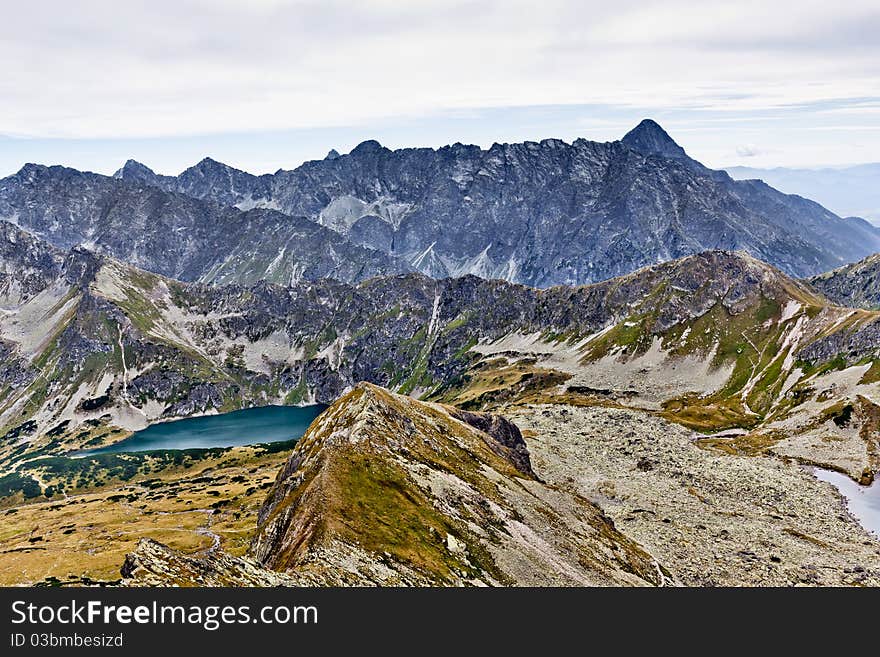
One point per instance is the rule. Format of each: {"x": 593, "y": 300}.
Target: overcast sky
{"x": 265, "y": 84}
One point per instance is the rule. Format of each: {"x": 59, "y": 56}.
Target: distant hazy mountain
{"x": 850, "y": 191}
{"x": 538, "y": 213}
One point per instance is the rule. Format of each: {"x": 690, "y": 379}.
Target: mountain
{"x": 396, "y": 491}
{"x": 713, "y": 341}
{"x": 856, "y": 285}
{"x": 542, "y": 213}
{"x": 649, "y": 138}
{"x": 178, "y": 235}
{"x": 849, "y": 191}
{"x": 648, "y": 429}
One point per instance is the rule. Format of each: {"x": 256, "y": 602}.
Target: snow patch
{"x": 791, "y": 309}
{"x": 332, "y": 353}
{"x": 250, "y": 203}
{"x": 276, "y": 262}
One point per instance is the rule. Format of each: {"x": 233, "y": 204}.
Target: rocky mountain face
{"x": 178, "y": 235}
{"x": 856, "y": 285}
{"x": 542, "y": 213}
{"x": 713, "y": 341}
{"x": 27, "y": 266}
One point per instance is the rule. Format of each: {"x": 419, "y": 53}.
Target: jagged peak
{"x": 368, "y": 146}
{"x": 332, "y": 155}
{"x": 132, "y": 169}
{"x": 82, "y": 265}
{"x": 649, "y": 138}
{"x": 209, "y": 164}
{"x": 32, "y": 166}
{"x": 30, "y": 169}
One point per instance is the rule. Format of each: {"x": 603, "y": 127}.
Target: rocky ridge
{"x": 118, "y": 348}
{"x": 856, "y": 285}
{"x": 180, "y": 236}
{"x": 539, "y": 213}
{"x": 386, "y": 490}
{"x": 155, "y": 564}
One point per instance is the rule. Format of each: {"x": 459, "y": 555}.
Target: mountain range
{"x": 92, "y": 340}
{"x": 718, "y": 354}
{"x": 177, "y": 235}
{"x": 540, "y": 214}
{"x": 545, "y": 364}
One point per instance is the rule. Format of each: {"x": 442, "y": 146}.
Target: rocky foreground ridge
{"x": 387, "y": 490}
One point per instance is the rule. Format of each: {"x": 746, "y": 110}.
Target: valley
{"x": 192, "y": 501}
{"x": 226, "y": 379}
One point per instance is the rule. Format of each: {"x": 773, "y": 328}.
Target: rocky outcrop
{"x": 856, "y": 285}
{"x": 854, "y": 343}
{"x": 155, "y": 564}
{"x": 383, "y": 489}
{"x": 180, "y": 236}
{"x": 503, "y": 437}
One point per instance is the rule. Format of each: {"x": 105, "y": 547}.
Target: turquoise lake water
{"x": 265, "y": 424}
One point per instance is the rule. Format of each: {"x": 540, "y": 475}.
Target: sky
{"x": 268, "y": 84}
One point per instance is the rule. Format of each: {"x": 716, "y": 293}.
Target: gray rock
{"x": 177, "y": 235}
{"x": 544, "y": 213}
{"x": 856, "y": 285}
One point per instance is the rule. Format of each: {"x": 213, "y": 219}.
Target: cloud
{"x": 102, "y": 69}
{"x": 748, "y": 150}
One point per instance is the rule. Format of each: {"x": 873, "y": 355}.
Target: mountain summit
{"x": 134, "y": 170}
{"x": 648, "y": 138}
{"x": 538, "y": 213}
